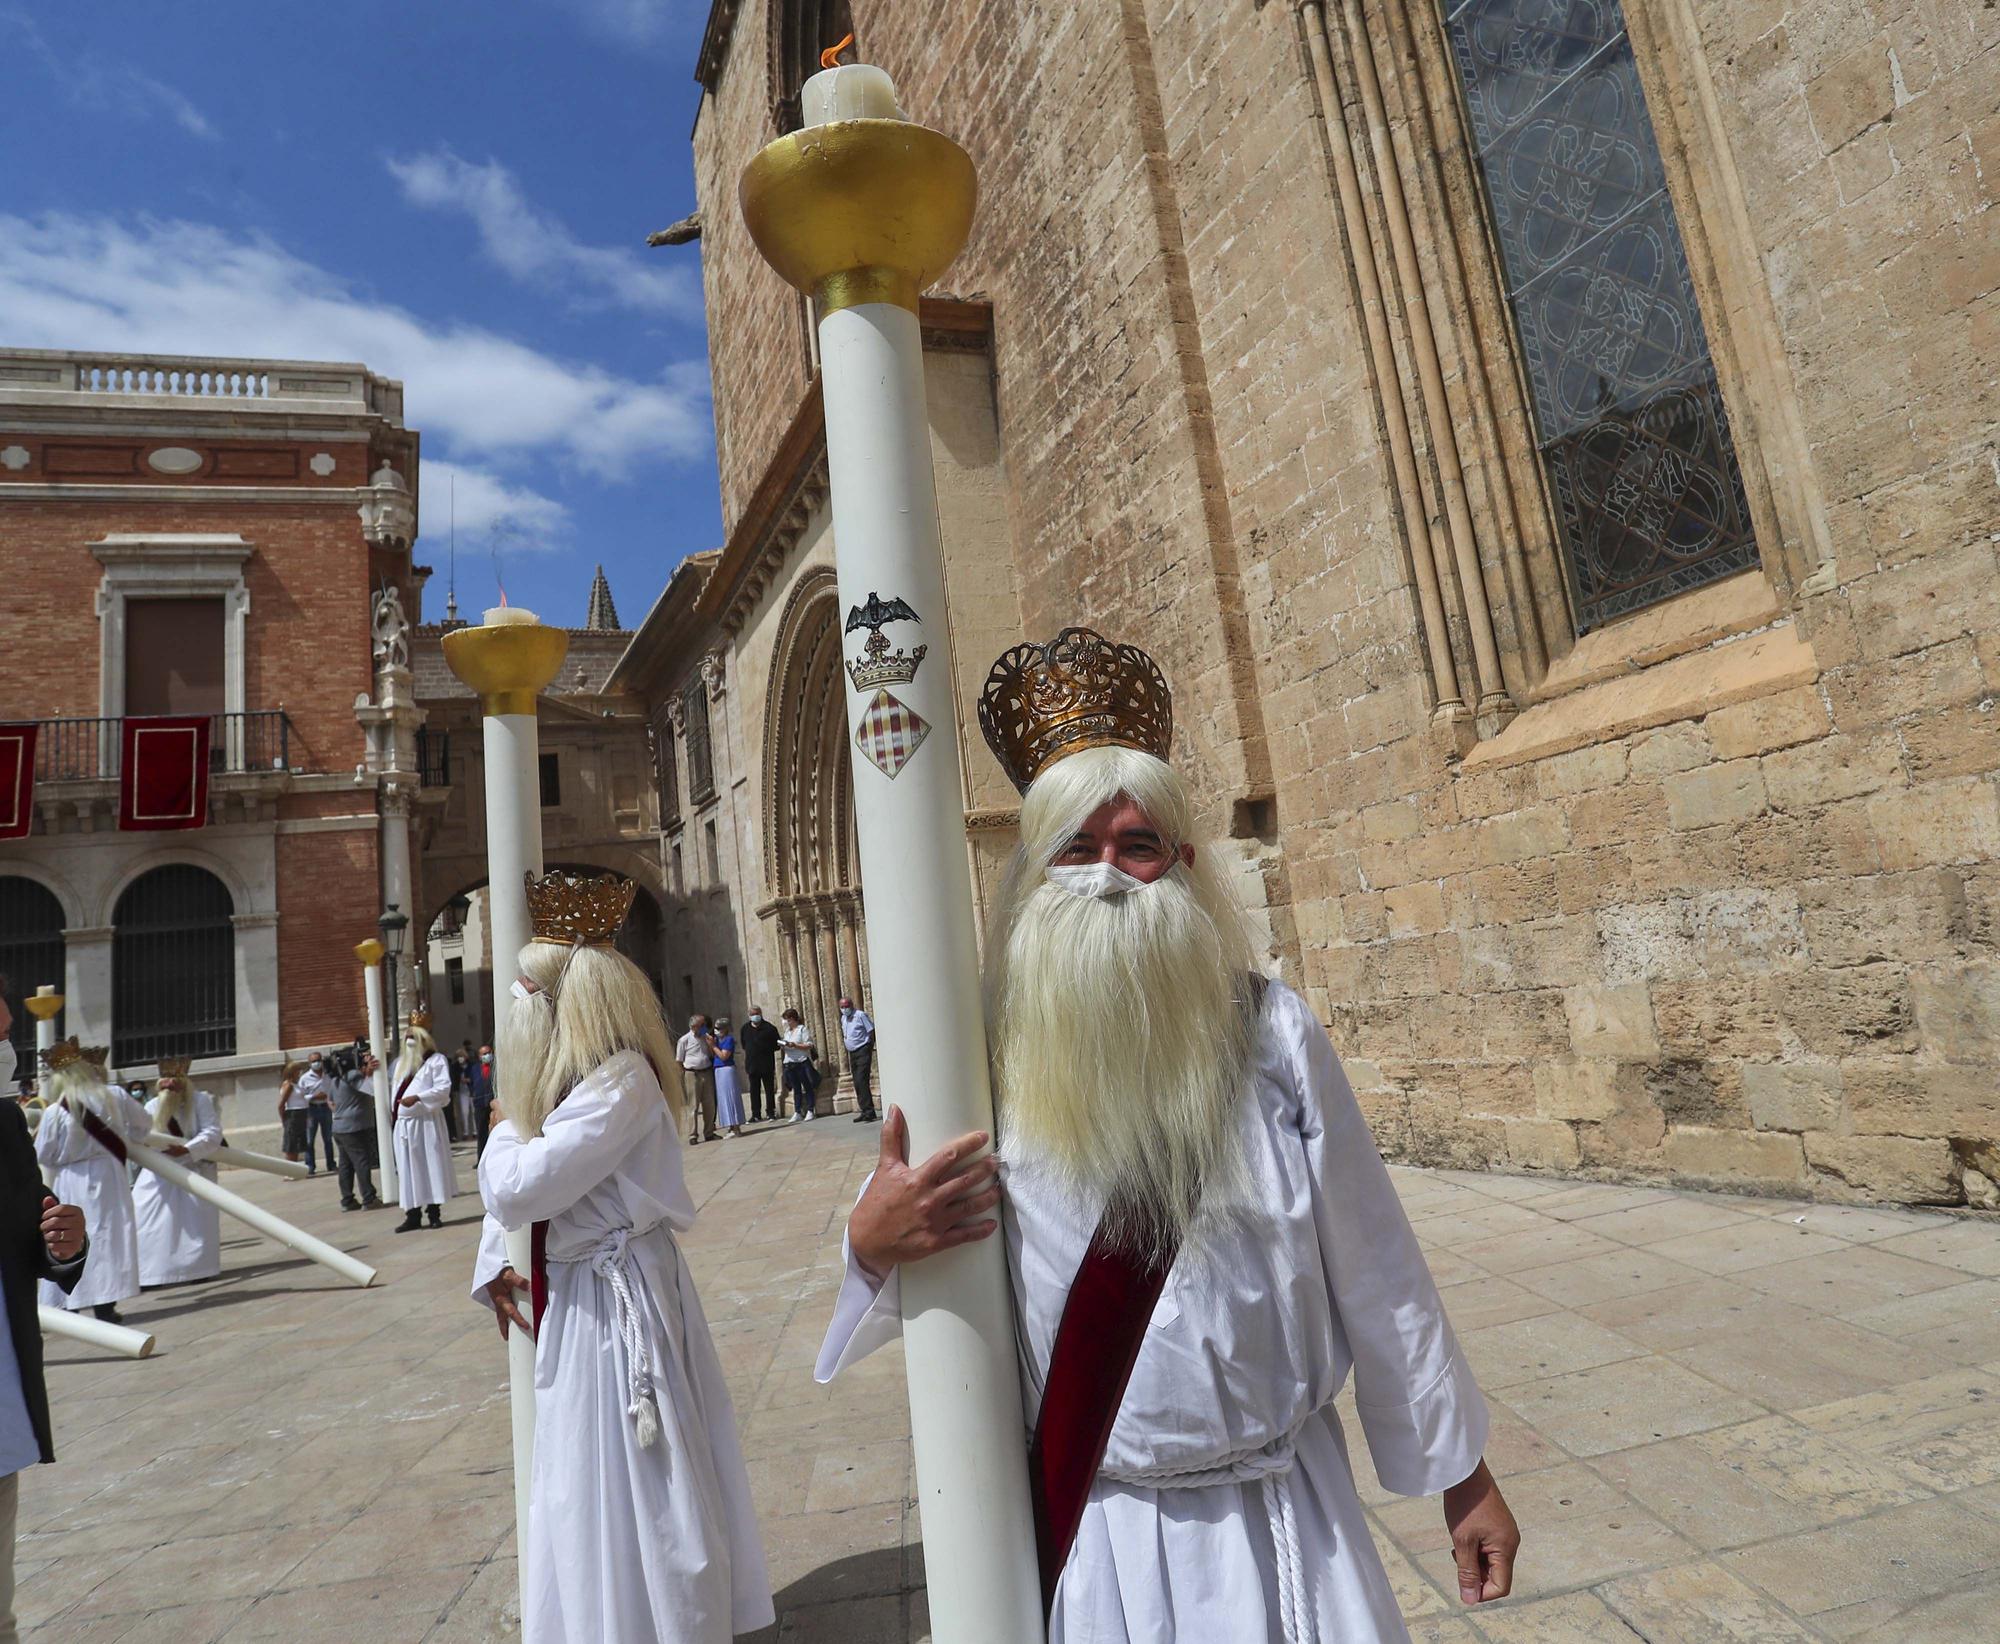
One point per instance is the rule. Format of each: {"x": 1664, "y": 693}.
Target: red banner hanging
{"x": 163, "y": 775}
{"x": 17, "y": 779}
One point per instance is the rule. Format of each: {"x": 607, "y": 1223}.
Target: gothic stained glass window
{"x": 1629, "y": 420}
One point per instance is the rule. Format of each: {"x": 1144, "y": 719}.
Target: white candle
{"x": 498, "y": 616}
{"x": 853, "y": 91}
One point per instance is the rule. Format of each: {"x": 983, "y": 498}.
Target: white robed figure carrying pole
{"x": 640, "y": 1523}
{"x": 509, "y": 660}
{"x": 862, "y": 210}
{"x": 180, "y": 1235}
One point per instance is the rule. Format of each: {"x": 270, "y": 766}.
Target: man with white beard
{"x": 420, "y": 1088}
{"x": 81, "y": 1145}
{"x": 1203, "y": 1240}
{"x": 180, "y": 1236}
{"x": 639, "y": 1519}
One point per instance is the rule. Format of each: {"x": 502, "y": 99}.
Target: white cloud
{"x": 485, "y": 508}
{"x": 631, "y": 22}
{"x": 534, "y": 247}
{"x": 187, "y": 288}
{"x": 106, "y": 85}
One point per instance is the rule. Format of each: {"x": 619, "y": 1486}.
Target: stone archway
{"x": 811, "y": 861}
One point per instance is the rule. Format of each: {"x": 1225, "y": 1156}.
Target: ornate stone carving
{"x": 390, "y": 631}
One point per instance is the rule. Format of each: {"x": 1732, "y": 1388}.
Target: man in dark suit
{"x": 757, "y": 1050}
{"x": 39, "y": 1239}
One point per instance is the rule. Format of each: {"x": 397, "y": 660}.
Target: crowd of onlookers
{"x": 733, "y": 1076}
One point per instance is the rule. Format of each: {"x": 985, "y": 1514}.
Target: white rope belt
{"x": 609, "y": 1260}
{"x": 1269, "y": 1467}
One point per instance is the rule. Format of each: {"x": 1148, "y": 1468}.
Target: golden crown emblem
{"x": 420, "y": 1017}
{"x": 581, "y": 911}
{"x": 175, "y": 1067}
{"x": 1078, "y": 691}
{"x": 63, "y": 1053}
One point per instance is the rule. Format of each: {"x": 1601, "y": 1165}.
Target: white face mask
{"x": 521, "y": 990}
{"x": 1095, "y": 880}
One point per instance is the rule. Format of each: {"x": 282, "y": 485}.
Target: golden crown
{"x": 420, "y": 1017}
{"x": 63, "y": 1053}
{"x": 175, "y": 1067}
{"x": 97, "y": 1055}
{"x": 580, "y": 911}
{"x": 1078, "y": 691}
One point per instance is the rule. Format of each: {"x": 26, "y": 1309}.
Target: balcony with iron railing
{"x": 88, "y": 750}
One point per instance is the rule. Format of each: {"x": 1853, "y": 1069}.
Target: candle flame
{"x": 830, "y": 58}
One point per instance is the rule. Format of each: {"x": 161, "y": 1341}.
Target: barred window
{"x": 701, "y": 768}
{"x": 173, "y": 967}
{"x": 1630, "y": 424}
{"x": 31, "y": 954}
{"x": 666, "y": 773}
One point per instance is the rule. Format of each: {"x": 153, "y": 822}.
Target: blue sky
{"x": 454, "y": 193}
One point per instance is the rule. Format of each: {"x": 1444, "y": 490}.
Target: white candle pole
{"x": 370, "y": 954}
{"x": 272, "y": 1227}
{"x": 113, "y": 1338}
{"x": 862, "y": 212}
{"x": 44, "y": 1004}
{"x": 509, "y": 660}
{"x": 239, "y": 1158}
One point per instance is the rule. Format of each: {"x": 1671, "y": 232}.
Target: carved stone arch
{"x": 811, "y": 865}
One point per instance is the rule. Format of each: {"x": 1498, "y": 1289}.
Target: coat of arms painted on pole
{"x": 878, "y": 665}
{"x": 889, "y": 733}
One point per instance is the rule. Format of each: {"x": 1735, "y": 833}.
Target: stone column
{"x": 256, "y": 982}
{"x": 850, "y": 948}
{"x": 87, "y": 983}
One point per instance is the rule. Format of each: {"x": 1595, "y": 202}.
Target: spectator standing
{"x": 697, "y": 1080}
{"x": 354, "y": 1133}
{"x": 799, "y": 1082}
{"x": 317, "y": 1084}
{"x": 292, "y": 1115}
{"x": 728, "y": 1082}
{"x": 757, "y": 1060}
{"x": 39, "y": 1239}
{"x": 857, "y": 1032}
{"x": 480, "y": 1077}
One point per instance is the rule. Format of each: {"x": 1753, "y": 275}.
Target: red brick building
{"x": 229, "y": 538}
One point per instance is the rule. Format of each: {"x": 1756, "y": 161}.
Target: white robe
{"x": 424, "y": 1174}
{"x": 81, "y": 1172}
{"x": 180, "y": 1236}
{"x": 1226, "y": 1498}
{"x": 625, "y": 1542}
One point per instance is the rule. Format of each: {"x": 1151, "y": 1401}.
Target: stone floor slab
{"x": 1639, "y": 1328}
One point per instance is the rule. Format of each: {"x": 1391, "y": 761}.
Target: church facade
{"x": 1550, "y": 449}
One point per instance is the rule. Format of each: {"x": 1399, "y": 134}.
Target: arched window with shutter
{"x": 31, "y": 953}
{"x": 173, "y": 967}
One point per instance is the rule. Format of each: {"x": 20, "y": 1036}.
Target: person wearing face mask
{"x": 479, "y": 1075}
{"x": 317, "y": 1087}
{"x": 757, "y": 1051}
{"x": 1203, "y": 1241}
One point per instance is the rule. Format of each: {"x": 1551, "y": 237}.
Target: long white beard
{"x": 527, "y": 1032}
{"x": 1122, "y": 1030}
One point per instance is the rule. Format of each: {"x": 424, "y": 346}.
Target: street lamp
{"x": 395, "y": 926}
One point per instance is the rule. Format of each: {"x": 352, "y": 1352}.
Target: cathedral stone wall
{"x": 1710, "y": 893}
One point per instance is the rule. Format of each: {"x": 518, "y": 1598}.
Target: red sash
{"x": 174, "y": 1127}
{"x": 105, "y": 1137}
{"x": 1104, "y": 1321}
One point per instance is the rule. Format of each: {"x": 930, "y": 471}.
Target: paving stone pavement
{"x": 1717, "y": 1419}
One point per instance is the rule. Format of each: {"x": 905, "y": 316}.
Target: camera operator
{"x": 351, "y": 1084}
